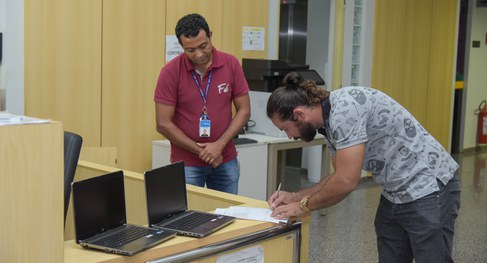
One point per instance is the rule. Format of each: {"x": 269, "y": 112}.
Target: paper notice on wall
{"x": 253, "y": 38}
{"x": 253, "y": 254}
{"x": 173, "y": 48}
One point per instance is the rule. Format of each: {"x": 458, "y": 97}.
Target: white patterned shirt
{"x": 399, "y": 153}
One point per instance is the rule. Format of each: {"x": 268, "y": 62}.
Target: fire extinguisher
{"x": 482, "y": 123}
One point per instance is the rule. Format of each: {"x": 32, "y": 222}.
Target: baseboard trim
{"x": 478, "y": 148}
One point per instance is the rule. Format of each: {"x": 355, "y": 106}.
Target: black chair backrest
{"x": 72, "y": 149}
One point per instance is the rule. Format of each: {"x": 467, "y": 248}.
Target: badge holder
{"x": 205, "y": 125}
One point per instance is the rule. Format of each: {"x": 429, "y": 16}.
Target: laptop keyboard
{"x": 242, "y": 140}
{"x": 188, "y": 222}
{"x": 124, "y": 237}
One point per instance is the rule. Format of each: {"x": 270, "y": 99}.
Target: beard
{"x": 306, "y": 130}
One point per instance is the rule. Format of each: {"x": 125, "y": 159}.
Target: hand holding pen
{"x": 280, "y": 197}
{"x": 284, "y": 205}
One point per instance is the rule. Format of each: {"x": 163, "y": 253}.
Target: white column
{"x": 313, "y": 160}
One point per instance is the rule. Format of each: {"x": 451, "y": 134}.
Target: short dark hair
{"x": 190, "y": 26}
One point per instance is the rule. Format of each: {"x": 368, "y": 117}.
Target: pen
{"x": 278, "y": 190}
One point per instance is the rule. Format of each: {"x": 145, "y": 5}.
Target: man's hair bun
{"x": 292, "y": 79}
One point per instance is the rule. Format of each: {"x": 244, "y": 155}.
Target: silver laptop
{"x": 100, "y": 218}
{"x": 167, "y": 207}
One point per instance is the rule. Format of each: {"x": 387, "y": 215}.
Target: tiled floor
{"x": 345, "y": 232}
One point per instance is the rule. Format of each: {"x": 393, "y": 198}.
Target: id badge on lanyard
{"x": 205, "y": 125}
{"x": 204, "y": 122}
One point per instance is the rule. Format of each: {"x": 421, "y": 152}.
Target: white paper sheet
{"x": 13, "y": 119}
{"x": 251, "y": 213}
{"x": 253, "y": 254}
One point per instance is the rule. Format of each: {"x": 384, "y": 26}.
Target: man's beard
{"x": 306, "y": 130}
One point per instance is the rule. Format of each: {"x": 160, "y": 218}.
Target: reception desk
{"x": 31, "y": 195}
{"x": 31, "y": 201}
{"x": 273, "y": 242}
{"x": 266, "y": 240}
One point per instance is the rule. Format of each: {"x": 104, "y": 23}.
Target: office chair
{"x": 72, "y": 149}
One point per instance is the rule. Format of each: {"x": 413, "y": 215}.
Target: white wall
{"x": 273, "y": 30}
{"x": 2, "y": 71}
{"x": 2, "y": 15}
{"x": 13, "y": 55}
{"x": 476, "y": 67}
{"x": 317, "y": 38}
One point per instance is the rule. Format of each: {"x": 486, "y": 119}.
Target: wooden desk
{"x": 278, "y": 249}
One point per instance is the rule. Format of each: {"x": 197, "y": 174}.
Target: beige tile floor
{"x": 345, "y": 232}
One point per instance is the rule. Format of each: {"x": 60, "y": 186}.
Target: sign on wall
{"x": 253, "y": 38}
{"x": 173, "y": 48}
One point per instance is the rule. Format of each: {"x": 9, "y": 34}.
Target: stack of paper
{"x": 13, "y": 119}
{"x": 252, "y": 213}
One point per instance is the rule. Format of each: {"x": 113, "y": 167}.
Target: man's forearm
{"x": 179, "y": 138}
{"x": 328, "y": 192}
{"x": 311, "y": 190}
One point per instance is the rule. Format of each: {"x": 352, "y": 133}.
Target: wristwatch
{"x": 303, "y": 204}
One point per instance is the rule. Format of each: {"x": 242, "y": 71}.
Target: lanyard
{"x": 203, "y": 96}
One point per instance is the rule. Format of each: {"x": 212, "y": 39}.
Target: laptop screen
{"x": 166, "y": 192}
{"x": 99, "y": 204}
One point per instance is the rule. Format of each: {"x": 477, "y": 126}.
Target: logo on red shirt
{"x": 223, "y": 88}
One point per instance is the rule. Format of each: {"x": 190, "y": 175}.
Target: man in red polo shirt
{"x": 193, "y": 98}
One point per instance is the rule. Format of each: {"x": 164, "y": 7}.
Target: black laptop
{"x": 100, "y": 217}
{"x": 167, "y": 206}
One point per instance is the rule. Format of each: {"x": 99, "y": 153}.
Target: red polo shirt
{"x": 176, "y": 86}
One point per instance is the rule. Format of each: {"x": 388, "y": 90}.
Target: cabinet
{"x": 252, "y": 159}
{"x": 31, "y": 195}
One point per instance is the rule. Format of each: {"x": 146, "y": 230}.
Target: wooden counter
{"x": 279, "y": 250}
{"x": 31, "y": 195}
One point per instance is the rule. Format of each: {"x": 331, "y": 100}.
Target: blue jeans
{"x": 223, "y": 178}
{"x": 422, "y": 229}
